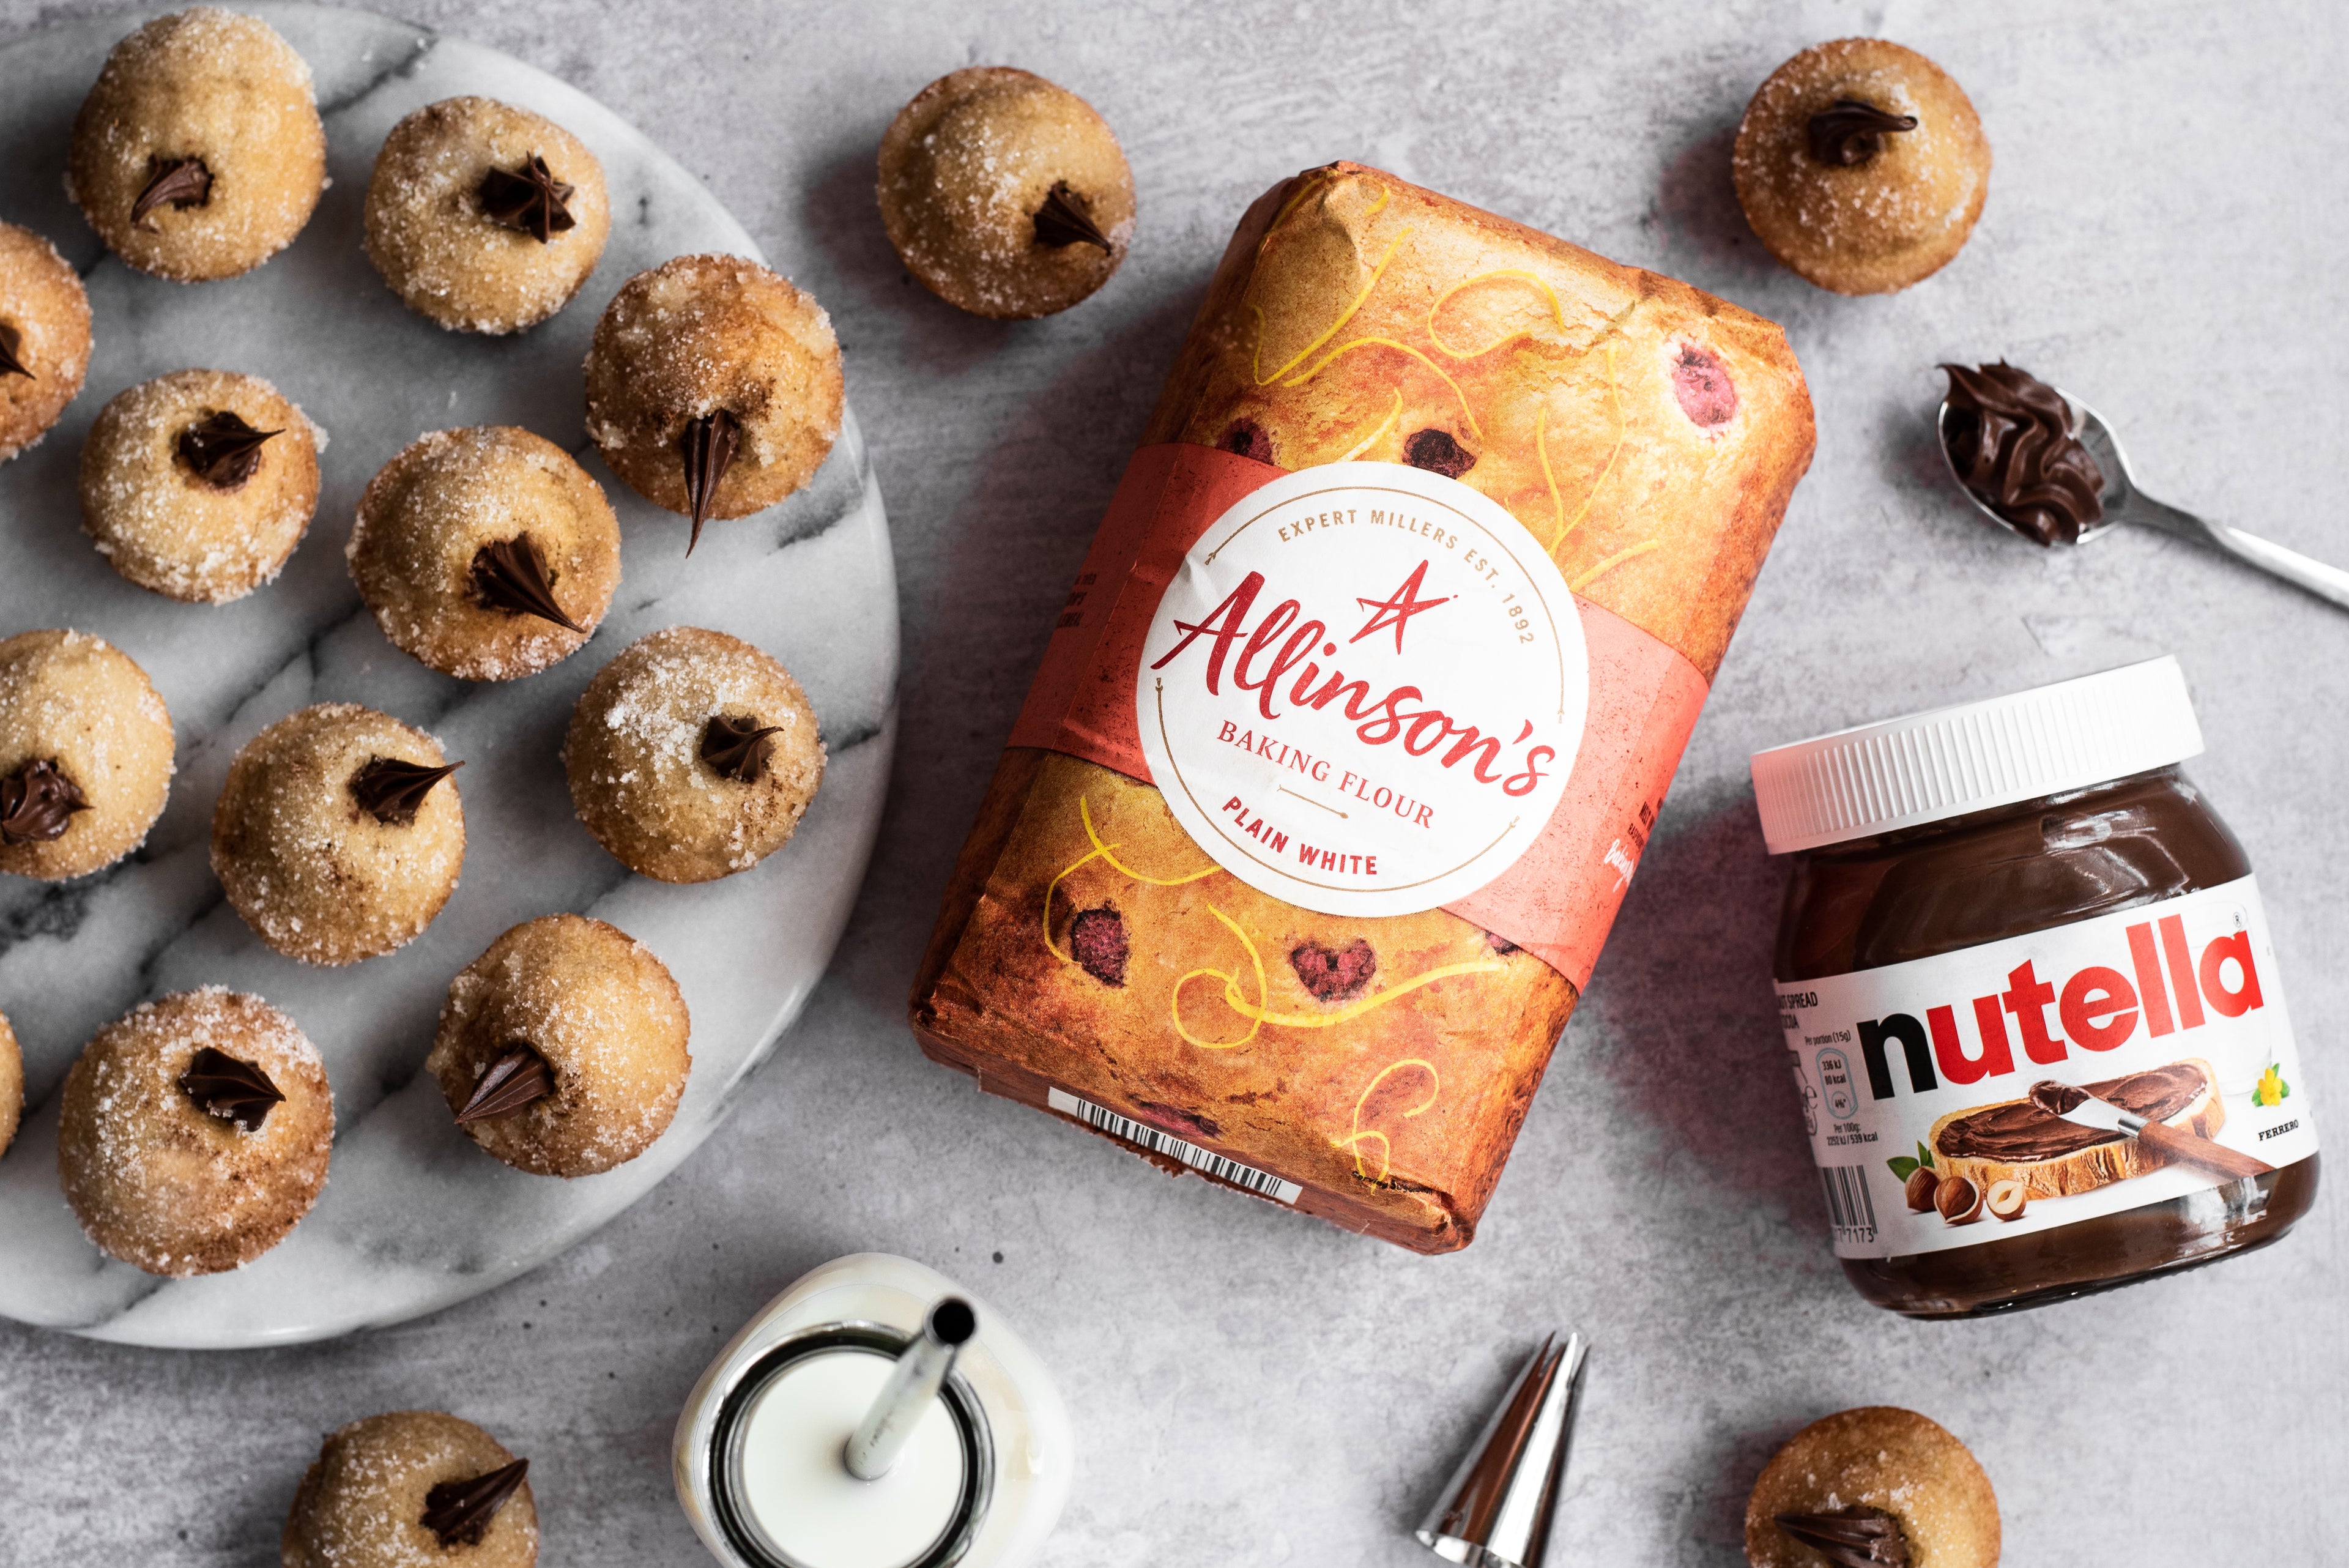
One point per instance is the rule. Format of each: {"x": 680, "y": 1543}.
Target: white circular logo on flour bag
{"x": 1364, "y": 689}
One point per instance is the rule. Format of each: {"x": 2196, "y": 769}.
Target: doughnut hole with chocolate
{"x": 713, "y": 387}
{"x": 412, "y": 1487}
{"x": 485, "y": 217}
{"x": 488, "y": 553}
{"x": 194, "y": 1132}
{"x": 1005, "y": 195}
{"x": 339, "y": 835}
{"x": 1877, "y": 1485}
{"x": 1862, "y": 165}
{"x": 692, "y": 755}
{"x": 44, "y": 338}
{"x": 86, "y": 754}
{"x": 199, "y": 154}
{"x": 2073, "y": 916}
{"x": 563, "y": 1049}
{"x": 199, "y": 485}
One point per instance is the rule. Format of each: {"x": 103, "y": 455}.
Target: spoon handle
{"x": 2325, "y": 582}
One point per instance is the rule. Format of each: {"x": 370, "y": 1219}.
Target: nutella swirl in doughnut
{"x": 2012, "y": 441}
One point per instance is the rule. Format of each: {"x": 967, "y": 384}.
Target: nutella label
{"x": 1917, "y": 1079}
{"x": 1364, "y": 689}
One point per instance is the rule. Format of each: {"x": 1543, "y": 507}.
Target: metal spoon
{"x": 2125, "y": 503}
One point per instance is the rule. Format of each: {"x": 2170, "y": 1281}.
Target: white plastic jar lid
{"x": 1904, "y": 772}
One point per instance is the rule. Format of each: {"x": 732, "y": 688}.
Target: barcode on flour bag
{"x": 1263, "y": 1183}
{"x": 1849, "y": 1208}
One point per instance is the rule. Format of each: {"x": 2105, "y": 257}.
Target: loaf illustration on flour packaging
{"x": 1357, "y": 719}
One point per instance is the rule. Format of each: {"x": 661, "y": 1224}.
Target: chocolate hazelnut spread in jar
{"x": 2031, "y": 1000}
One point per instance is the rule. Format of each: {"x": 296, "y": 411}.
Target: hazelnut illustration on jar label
{"x": 1996, "y": 1090}
{"x": 1364, "y": 689}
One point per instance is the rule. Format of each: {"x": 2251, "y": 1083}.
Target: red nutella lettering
{"x": 2097, "y": 1005}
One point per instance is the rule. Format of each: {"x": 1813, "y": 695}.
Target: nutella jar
{"x": 2031, "y": 1001}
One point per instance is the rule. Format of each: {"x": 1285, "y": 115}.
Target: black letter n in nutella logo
{"x": 1910, "y": 1036}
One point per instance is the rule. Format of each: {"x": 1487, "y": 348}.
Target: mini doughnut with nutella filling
{"x": 413, "y": 1486}
{"x": 86, "y": 754}
{"x": 1877, "y": 1485}
{"x": 200, "y": 154}
{"x": 487, "y": 553}
{"x": 12, "y": 1084}
{"x": 563, "y": 1049}
{"x": 485, "y": 217}
{"x": 195, "y": 1132}
{"x": 1862, "y": 166}
{"x": 2015, "y": 444}
{"x": 692, "y": 755}
{"x": 713, "y": 387}
{"x": 198, "y": 485}
{"x": 44, "y": 338}
{"x": 339, "y": 835}
{"x": 1005, "y": 195}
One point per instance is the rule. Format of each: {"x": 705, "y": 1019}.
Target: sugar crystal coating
{"x": 161, "y": 1183}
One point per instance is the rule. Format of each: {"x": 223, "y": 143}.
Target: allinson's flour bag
{"x": 1359, "y": 711}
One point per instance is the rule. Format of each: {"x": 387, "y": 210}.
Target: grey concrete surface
{"x": 2163, "y": 237}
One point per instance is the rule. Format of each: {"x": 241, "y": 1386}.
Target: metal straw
{"x": 920, "y": 1372}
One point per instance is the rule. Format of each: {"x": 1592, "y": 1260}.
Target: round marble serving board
{"x": 414, "y": 1216}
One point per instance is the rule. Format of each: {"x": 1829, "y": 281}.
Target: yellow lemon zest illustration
{"x": 1615, "y": 400}
{"x": 1255, "y": 360}
{"x": 1351, "y": 344}
{"x": 1353, "y": 1141}
{"x": 1385, "y": 425}
{"x": 1259, "y": 1015}
{"x": 1231, "y": 989}
{"x": 1611, "y": 562}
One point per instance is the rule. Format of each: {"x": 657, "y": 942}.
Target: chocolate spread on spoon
{"x": 2012, "y": 442}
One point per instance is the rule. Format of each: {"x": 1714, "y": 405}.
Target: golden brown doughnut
{"x": 86, "y": 754}
{"x": 195, "y": 1132}
{"x": 410, "y": 1490}
{"x": 44, "y": 338}
{"x": 339, "y": 835}
{"x": 713, "y": 387}
{"x": 692, "y": 755}
{"x": 488, "y": 554}
{"x": 1006, "y": 195}
{"x": 485, "y": 217}
{"x": 563, "y": 1049}
{"x": 12, "y": 1084}
{"x": 200, "y": 154}
{"x": 199, "y": 485}
{"x": 1881, "y": 1461}
{"x": 1837, "y": 186}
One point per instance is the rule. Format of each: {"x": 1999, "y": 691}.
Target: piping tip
{"x": 1495, "y": 1511}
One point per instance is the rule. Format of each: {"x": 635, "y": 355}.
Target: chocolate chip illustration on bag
{"x": 1361, "y": 709}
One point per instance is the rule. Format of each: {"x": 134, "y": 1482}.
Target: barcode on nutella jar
{"x": 1849, "y": 1209}
{"x": 1260, "y": 1182}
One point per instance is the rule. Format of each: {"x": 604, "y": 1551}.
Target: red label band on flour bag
{"x": 2031, "y": 998}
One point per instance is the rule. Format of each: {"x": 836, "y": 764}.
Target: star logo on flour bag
{"x": 1398, "y": 607}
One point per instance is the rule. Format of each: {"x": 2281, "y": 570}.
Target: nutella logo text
{"x": 2161, "y": 985}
